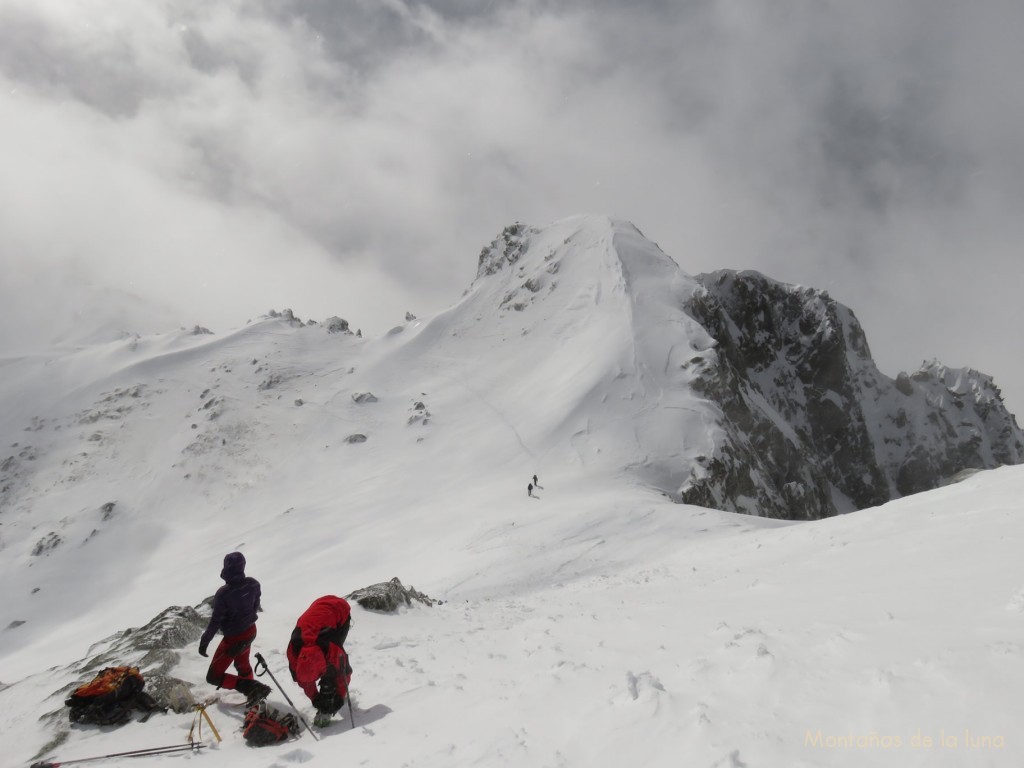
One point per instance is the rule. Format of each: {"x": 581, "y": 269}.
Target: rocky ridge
{"x": 814, "y": 427}
{"x": 805, "y": 425}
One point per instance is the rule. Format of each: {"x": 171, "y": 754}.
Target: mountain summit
{"x": 729, "y": 390}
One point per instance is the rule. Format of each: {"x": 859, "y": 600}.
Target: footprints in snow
{"x": 642, "y": 684}
{"x": 295, "y": 756}
{"x": 741, "y": 664}
{"x": 744, "y": 645}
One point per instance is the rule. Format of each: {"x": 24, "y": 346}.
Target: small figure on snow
{"x": 317, "y": 658}
{"x": 235, "y": 606}
{"x": 529, "y": 489}
{"x": 535, "y": 481}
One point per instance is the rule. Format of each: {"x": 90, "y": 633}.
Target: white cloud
{"x": 225, "y": 158}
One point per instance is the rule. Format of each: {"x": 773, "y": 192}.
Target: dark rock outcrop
{"x": 153, "y": 648}
{"x": 335, "y": 324}
{"x": 505, "y": 250}
{"x": 389, "y": 596}
{"x": 813, "y": 427}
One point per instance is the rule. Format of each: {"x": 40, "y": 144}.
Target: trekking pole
{"x": 131, "y": 753}
{"x": 351, "y": 717}
{"x": 260, "y": 661}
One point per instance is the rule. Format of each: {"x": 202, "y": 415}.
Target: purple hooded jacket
{"x": 235, "y": 604}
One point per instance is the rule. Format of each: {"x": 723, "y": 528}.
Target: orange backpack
{"x": 109, "y": 698}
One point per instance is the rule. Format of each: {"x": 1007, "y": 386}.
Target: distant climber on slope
{"x": 235, "y": 606}
{"x": 317, "y": 658}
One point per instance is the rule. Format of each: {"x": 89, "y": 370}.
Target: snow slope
{"x": 594, "y": 624}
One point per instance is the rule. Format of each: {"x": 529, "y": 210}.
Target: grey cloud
{"x": 865, "y": 148}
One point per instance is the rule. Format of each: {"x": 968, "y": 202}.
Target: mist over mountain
{"x": 652, "y": 406}
{"x": 771, "y": 519}
{"x": 582, "y": 342}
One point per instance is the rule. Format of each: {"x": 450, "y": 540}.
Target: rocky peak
{"x": 744, "y": 393}
{"x": 505, "y": 250}
{"x": 809, "y": 415}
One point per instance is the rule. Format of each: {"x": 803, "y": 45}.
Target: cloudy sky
{"x": 203, "y": 162}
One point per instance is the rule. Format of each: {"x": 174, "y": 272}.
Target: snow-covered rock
{"x": 389, "y": 596}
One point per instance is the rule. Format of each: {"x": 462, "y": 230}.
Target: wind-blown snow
{"x": 594, "y": 625}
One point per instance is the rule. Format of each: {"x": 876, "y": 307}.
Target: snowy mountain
{"x": 603, "y": 620}
{"x": 744, "y": 394}
{"x": 727, "y": 390}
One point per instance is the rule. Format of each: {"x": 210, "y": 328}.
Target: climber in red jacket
{"x": 317, "y": 658}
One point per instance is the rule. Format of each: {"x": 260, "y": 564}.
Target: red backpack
{"x": 264, "y": 725}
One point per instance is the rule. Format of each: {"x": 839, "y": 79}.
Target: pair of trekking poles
{"x": 152, "y": 751}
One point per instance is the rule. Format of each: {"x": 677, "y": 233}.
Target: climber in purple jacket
{"x": 234, "y": 613}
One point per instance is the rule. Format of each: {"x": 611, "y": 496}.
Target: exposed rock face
{"x": 335, "y": 324}
{"x": 814, "y": 428}
{"x": 389, "y": 596}
{"x": 504, "y": 251}
{"x": 287, "y": 315}
{"x": 154, "y": 650}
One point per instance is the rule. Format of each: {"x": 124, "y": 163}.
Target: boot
{"x": 254, "y": 691}
{"x": 322, "y": 719}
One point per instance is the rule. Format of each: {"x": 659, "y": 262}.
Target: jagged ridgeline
{"x": 796, "y": 420}
{"x": 814, "y": 427}
{"x": 580, "y": 347}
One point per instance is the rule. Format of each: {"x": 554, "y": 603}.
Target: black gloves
{"x": 330, "y": 679}
{"x": 328, "y": 702}
{"x": 202, "y": 649}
